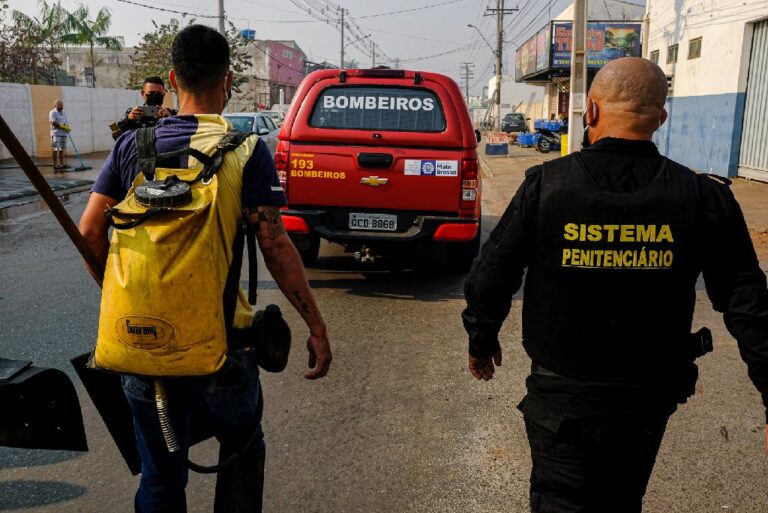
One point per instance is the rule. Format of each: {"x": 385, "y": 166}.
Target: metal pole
{"x": 341, "y": 61}
{"x": 221, "y": 17}
{"x": 25, "y": 163}
{"x": 499, "y": 47}
{"x": 374, "y": 55}
{"x": 578, "y": 96}
{"x": 466, "y": 81}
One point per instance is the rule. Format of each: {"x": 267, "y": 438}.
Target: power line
{"x": 370, "y": 29}
{"x": 409, "y": 10}
{"x": 208, "y": 16}
{"x": 183, "y": 13}
{"x": 459, "y": 49}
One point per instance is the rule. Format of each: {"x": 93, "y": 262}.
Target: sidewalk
{"x": 508, "y": 174}
{"x": 16, "y": 189}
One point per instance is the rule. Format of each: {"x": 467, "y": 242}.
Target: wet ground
{"x": 398, "y": 425}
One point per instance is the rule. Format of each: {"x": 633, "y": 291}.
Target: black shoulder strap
{"x": 146, "y": 156}
{"x": 229, "y": 142}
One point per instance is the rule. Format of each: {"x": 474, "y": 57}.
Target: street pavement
{"x": 399, "y": 424}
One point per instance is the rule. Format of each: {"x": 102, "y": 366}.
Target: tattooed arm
{"x": 284, "y": 263}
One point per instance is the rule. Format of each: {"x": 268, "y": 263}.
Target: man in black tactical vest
{"x": 613, "y": 238}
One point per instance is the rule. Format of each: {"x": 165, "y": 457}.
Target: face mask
{"x": 585, "y": 142}
{"x": 61, "y": 108}
{"x": 154, "y": 99}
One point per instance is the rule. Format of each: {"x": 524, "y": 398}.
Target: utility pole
{"x": 374, "y": 55}
{"x": 578, "y": 98}
{"x": 221, "y": 17}
{"x": 500, "y": 11}
{"x": 341, "y": 60}
{"x": 397, "y": 62}
{"x": 466, "y": 75}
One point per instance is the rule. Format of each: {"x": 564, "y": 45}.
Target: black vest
{"x": 610, "y": 288}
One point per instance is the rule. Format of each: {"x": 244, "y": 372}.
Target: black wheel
{"x": 459, "y": 256}
{"x": 544, "y": 145}
{"x": 308, "y": 247}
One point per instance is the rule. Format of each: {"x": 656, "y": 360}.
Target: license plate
{"x": 377, "y": 222}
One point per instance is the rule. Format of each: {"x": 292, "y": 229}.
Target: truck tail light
{"x": 453, "y": 232}
{"x": 295, "y": 224}
{"x": 469, "y": 184}
{"x": 281, "y": 164}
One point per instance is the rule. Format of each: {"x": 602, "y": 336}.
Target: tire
{"x": 459, "y": 256}
{"x": 309, "y": 249}
{"x": 544, "y": 145}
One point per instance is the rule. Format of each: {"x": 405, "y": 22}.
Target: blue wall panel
{"x": 704, "y": 132}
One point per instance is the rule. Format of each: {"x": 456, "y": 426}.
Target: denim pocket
{"x": 138, "y": 388}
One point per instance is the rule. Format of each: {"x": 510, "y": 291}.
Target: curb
{"x": 21, "y": 206}
{"x": 486, "y": 168}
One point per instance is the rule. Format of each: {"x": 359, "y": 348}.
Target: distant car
{"x": 514, "y": 122}
{"x": 257, "y": 122}
{"x": 276, "y": 116}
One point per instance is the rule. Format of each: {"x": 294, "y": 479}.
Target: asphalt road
{"x": 398, "y": 425}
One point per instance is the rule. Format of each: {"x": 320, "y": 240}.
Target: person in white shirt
{"x": 59, "y": 134}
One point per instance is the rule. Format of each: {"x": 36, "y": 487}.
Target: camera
{"x": 149, "y": 111}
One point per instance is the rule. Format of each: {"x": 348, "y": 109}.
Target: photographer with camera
{"x": 140, "y": 116}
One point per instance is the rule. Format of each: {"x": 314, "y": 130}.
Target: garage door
{"x": 753, "y": 158}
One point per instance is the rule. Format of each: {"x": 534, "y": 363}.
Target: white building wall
{"x": 706, "y": 104}
{"x": 723, "y": 25}
{"x": 89, "y": 112}
{"x": 16, "y": 109}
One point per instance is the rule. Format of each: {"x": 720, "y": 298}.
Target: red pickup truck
{"x": 381, "y": 161}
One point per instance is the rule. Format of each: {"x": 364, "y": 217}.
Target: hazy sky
{"x": 416, "y": 37}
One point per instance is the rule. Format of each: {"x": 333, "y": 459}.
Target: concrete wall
{"x": 703, "y": 132}
{"x": 16, "y": 109}
{"x": 89, "y": 112}
{"x": 706, "y": 104}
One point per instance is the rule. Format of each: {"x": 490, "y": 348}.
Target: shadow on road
{"x": 17, "y": 458}
{"x": 20, "y": 494}
{"x": 417, "y": 285}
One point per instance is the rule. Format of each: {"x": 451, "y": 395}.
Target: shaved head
{"x": 630, "y": 92}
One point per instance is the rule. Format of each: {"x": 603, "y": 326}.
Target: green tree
{"x": 15, "y": 50}
{"x": 84, "y": 31}
{"x": 43, "y": 35}
{"x": 153, "y": 54}
{"x": 352, "y": 64}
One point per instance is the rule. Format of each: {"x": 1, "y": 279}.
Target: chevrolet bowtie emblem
{"x": 374, "y": 181}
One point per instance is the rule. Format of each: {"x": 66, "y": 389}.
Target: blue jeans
{"x": 228, "y": 405}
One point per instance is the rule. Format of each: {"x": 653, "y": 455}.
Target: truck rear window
{"x": 378, "y": 108}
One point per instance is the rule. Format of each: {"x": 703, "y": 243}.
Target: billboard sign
{"x": 533, "y": 55}
{"x": 606, "y": 41}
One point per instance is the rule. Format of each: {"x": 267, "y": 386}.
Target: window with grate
{"x": 672, "y": 54}
{"x": 694, "y": 48}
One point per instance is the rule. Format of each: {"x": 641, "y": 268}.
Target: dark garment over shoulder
{"x": 708, "y": 217}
